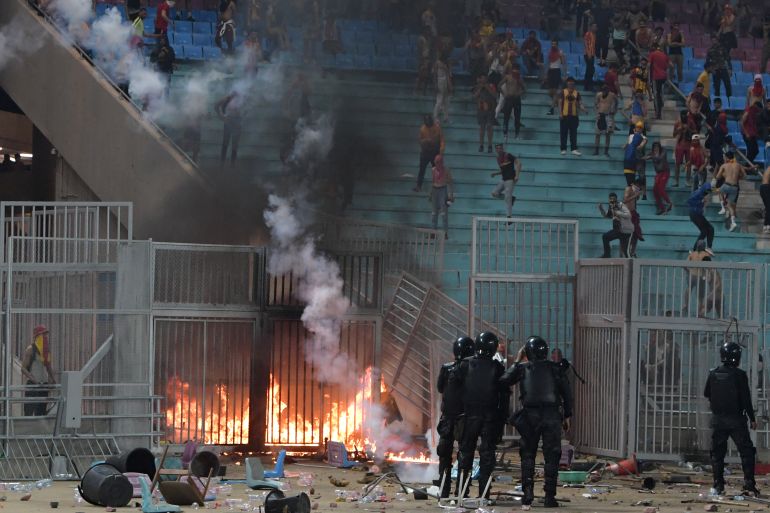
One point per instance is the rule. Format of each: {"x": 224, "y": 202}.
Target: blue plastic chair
{"x": 403, "y": 51}
{"x": 365, "y": 49}
{"x": 178, "y": 51}
{"x": 101, "y": 9}
{"x": 398, "y": 63}
{"x": 365, "y": 37}
{"x": 381, "y": 62}
{"x": 183, "y": 26}
{"x": 344, "y": 61}
{"x": 362, "y": 61}
{"x": 255, "y": 476}
{"x": 183, "y": 38}
{"x": 277, "y": 472}
{"x": 208, "y": 16}
{"x": 400, "y": 39}
{"x": 202, "y": 40}
{"x": 147, "y": 502}
{"x": 202, "y": 27}
{"x": 385, "y": 49}
{"x": 212, "y": 53}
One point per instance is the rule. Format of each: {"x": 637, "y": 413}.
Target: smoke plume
{"x": 15, "y": 43}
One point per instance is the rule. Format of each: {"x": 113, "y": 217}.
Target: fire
{"x": 403, "y": 457}
{"x": 220, "y": 420}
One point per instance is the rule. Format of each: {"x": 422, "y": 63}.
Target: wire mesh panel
{"x": 303, "y": 411}
{"x": 603, "y": 289}
{"x": 203, "y": 369}
{"x": 524, "y": 246}
{"x": 693, "y": 290}
{"x": 210, "y": 276}
{"x": 672, "y": 416}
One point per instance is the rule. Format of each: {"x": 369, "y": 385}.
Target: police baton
{"x": 567, "y": 364}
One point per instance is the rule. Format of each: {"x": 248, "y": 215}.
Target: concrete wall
{"x": 114, "y": 150}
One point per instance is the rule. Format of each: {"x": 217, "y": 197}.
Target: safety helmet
{"x": 639, "y": 125}
{"x": 486, "y": 344}
{"x": 463, "y": 348}
{"x": 536, "y": 349}
{"x": 730, "y": 353}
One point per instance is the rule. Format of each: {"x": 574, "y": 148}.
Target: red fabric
{"x": 750, "y": 124}
{"x": 697, "y": 158}
{"x": 680, "y": 152}
{"x": 659, "y": 190}
{"x": 611, "y": 79}
{"x": 659, "y": 65}
{"x": 722, "y": 121}
{"x": 160, "y": 22}
{"x": 554, "y": 54}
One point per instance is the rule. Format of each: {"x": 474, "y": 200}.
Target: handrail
{"x": 97, "y": 357}
{"x": 84, "y": 54}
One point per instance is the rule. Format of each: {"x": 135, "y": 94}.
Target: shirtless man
{"x": 707, "y": 284}
{"x": 632, "y": 193}
{"x": 226, "y": 27}
{"x": 606, "y": 105}
{"x": 733, "y": 173}
{"x": 695, "y": 101}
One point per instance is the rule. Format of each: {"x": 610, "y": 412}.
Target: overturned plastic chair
{"x": 337, "y": 455}
{"x": 147, "y": 504}
{"x": 278, "y": 470}
{"x": 255, "y": 476}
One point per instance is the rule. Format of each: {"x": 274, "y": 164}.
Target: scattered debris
{"x": 650, "y": 509}
{"x": 710, "y": 507}
{"x": 338, "y": 482}
{"x": 26, "y": 496}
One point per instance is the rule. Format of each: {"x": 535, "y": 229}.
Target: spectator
{"x": 164, "y": 58}
{"x": 764, "y": 124}
{"x": 475, "y": 50}
{"x": 764, "y": 192}
{"x": 132, "y": 8}
{"x": 644, "y": 37}
{"x": 658, "y": 10}
{"x": 36, "y": 368}
{"x": 189, "y": 12}
{"x": 331, "y": 42}
{"x": 589, "y": 54}
{"x": 750, "y": 129}
{"x": 637, "y": 111}
{"x": 582, "y": 7}
{"x": 622, "y": 227}
{"x": 570, "y": 106}
{"x": 636, "y": 141}
{"x": 630, "y": 196}
{"x": 253, "y": 53}
{"x": 311, "y": 30}
{"x": 276, "y": 26}
{"x": 137, "y": 26}
{"x": 683, "y": 132}
{"x": 510, "y": 170}
{"x": 727, "y": 35}
{"x": 191, "y": 136}
{"x": 552, "y": 14}
{"x": 428, "y": 19}
{"x": 711, "y": 15}
{"x": 695, "y": 102}
{"x": 424, "y": 61}
{"x": 255, "y": 18}
{"x": 635, "y": 18}
{"x": 731, "y": 173}
{"x": 718, "y": 60}
{"x": 532, "y": 55}
{"x": 612, "y": 82}
{"x": 743, "y": 17}
{"x": 707, "y": 283}
{"x": 756, "y": 92}
{"x": 485, "y": 97}
{"x": 659, "y": 65}
{"x": 441, "y": 194}
{"x": 162, "y": 17}
{"x": 513, "y": 89}
{"x": 442, "y": 75}
{"x": 675, "y": 42}
{"x": 229, "y": 111}
{"x": 662, "y": 174}
{"x": 226, "y": 27}
{"x": 603, "y": 20}
{"x": 431, "y": 144}
{"x": 696, "y": 171}
{"x": 704, "y": 78}
{"x": 606, "y": 105}
{"x": 696, "y": 204}
{"x": 619, "y": 37}
{"x": 557, "y": 62}
{"x": 638, "y": 78}
{"x": 718, "y": 137}
{"x": 659, "y": 39}
{"x": 765, "y": 44}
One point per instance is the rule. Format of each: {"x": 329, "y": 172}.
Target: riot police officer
{"x": 450, "y": 425}
{"x": 544, "y": 392}
{"x": 727, "y": 389}
{"x": 482, "y": 396}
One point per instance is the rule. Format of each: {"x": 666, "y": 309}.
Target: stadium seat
{"x": 178, "y": 51}
{"x": 212, "y": 52}
{"x": 398, "y": 64}
{"x": 344, "y": 61}
{"x": 381, "y": 62}
{"x": 208, "y": 16}
{"x": 362, "y": 61}
{"x": 101, "y": 9}
{"x": 183, "y": 26}
{"x": 202, "y": 40}
{"x": 365, "y": 49}
{"x": 201, "y": 27}
{"x": 194, "y": 53}
{"x": 400, "y": 39}
{"x": 385, "y": 50}
{"x": 182, "y": 38}
{"x": 383, "y": 40}
{"x": 403, "y": 51}
{"x": 365, "y": 37}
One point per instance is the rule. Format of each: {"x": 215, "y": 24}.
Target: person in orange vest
{"x": 36, "y": 368}
{"x": 570, "y": 104}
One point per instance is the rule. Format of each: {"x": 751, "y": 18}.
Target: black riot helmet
{"x": 536, "y": 349}
{"x": 463, "y": 348}
{"x": 486, "y": 344}
{"x": 730, "y": 353}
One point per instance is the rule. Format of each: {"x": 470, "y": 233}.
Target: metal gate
{"x": 522, "y": 278}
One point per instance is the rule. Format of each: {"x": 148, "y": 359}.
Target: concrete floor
{"x": 620, "y": 499}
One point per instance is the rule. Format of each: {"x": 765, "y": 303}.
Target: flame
{"x": 220, "y": 420}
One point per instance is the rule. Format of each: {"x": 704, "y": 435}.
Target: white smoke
{"x": 15, "y": 42}
{"x": 313, "y": 138}
{"x": 75, "y": 14}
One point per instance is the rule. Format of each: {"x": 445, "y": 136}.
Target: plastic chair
{"x": 183, "y": 26}
{"x": 202, "y": 27}
{"x": 202, "y": 40}
{"x": 278, "y": 470}
{"x": 385, "y": 49}
{"x": 337, "y": 455}
{"x": 365, "y": 49}
{"x": 209, "y": 16}
{"x": 255, "y": 476}
{"x": 147, "y": 503}
{"x": 193, "y": 52}
{"x": 183, "y": 38}
{"x": 212, "y": 53}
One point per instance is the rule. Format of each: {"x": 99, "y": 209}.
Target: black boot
{"x": 446, "y": 484}
{"x": 550, "y": 502}
{"x": 483, "y": 480}
{"x": 749, "y": 485}
{"x": 719, "y": 477}
{"x": 528, "y": 487}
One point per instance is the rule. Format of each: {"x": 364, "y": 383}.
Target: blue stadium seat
{"x": 410, "y": 64}
{"x": 182, "y": 38}
{"x": 101, "y": 9}
{"x": 362, "y": 61}
{"x": 398, "y": 63}
{"x": 691, "y": 75}
{"x": 365, "y": 37}
{"x": 458, "y": 54}
{"x": 201, "y": 27}
{"x": 212, "y": 52}
{"x": 400, "y": 39}
{"x": 348, "y": 37}
{"x": 328, "y": 61}
{"x": 178, "y": 51}
{"x": 413, "y": 39}
{"x": 403, "y": 51}
{"x": 385, "y": 50}
{"x": 344, "y": 61}
{"x": 370, "y": 25}
{"x": 295, "y": 35}
{"x": 381, "y": 62}
{"x": 202, "y": 39}
{"x": 734, "y": 102}
{"x": 383, "y": 40}
{"x": 687, "y": 52}
{"x": 365, "y": 49}
{"x": 183, "y": 26}
{"x": 194, "y": 53}
{"x": 577, "y": 47}
{"x": 209, "y": 16}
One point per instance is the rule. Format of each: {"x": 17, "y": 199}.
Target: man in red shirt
{"x": 163, "y": 16}
{"x": 589, "y": 40}
{"x": 611, "y": 80}
{"x": 659, "y": 65}
{"x": 750, "y": 129}
{"x": 697, "y": 168}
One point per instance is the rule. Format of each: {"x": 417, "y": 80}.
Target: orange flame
{"x": 220, "y": 420}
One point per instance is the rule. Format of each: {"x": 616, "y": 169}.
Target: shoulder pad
{"x": 449, "y": 365}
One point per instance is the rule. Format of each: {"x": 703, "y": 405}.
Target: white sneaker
{"x": 576, "y": 153}
{"x": 723, "y": 211}
{"x": 563, "y": 152}
{"x": 733, "y": 226}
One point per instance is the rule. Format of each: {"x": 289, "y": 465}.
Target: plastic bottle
{"x": 43, "y": 483}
